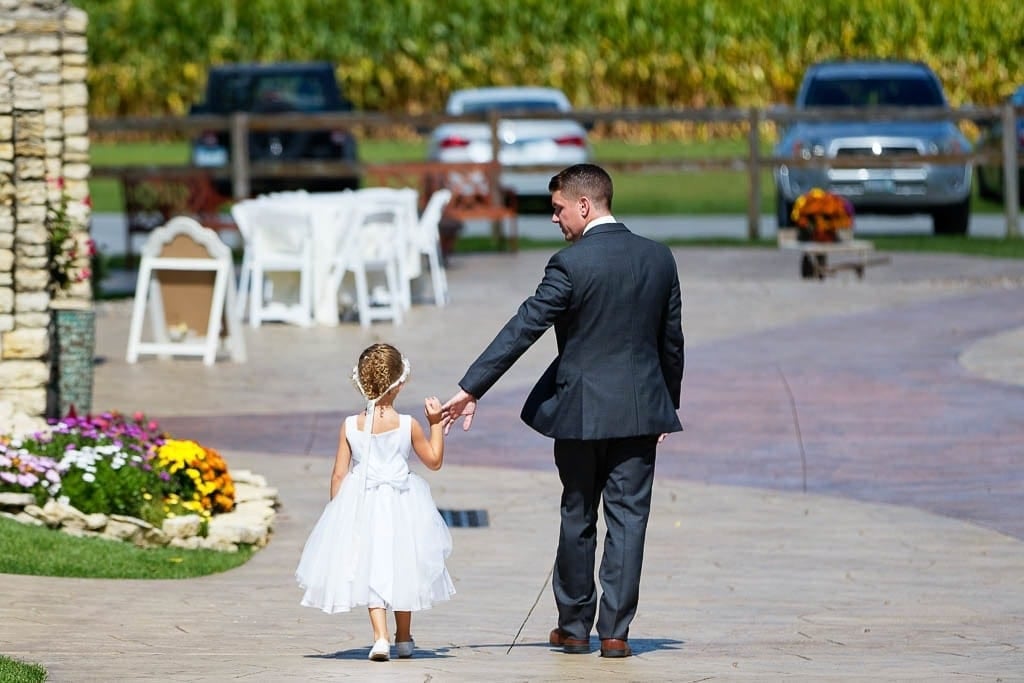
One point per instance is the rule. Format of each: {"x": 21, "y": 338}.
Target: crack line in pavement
{"x": 532, "y": 607}
{"x": 796, "y": 425}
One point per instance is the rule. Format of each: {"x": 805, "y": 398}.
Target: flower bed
{"x": 85, "y": 472}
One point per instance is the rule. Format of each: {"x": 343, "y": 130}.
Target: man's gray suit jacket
{"x": 613, "y": 298}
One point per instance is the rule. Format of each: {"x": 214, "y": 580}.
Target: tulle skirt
{"x": 377, "y": 547}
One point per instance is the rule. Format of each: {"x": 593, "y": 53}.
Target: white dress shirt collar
{"x": 599, "y": 221}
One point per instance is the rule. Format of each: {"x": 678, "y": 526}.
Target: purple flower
{"x": 9, "y": 477}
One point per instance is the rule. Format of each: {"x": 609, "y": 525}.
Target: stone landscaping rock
{"x": 247, "y": 477}
{"x": 26, "y": 518}
{"x": 233, "y": 529}
{"x": 19, "y": 500}
{"x": 182, "y": 527}
{"x": 122, "y": 531}
{"x": 249, "y": 523}
{"x": 79, "y": 532}
{"x": 95, "y": 521}
{"x": 189, "y": 543}
{"x": 222, "y": 545}
{"x": 247, "y": 492}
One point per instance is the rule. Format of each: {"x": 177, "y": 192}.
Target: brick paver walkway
{"x": 745, "y": 577}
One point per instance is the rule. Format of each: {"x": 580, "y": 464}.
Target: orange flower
{"x": 823, "y": 213}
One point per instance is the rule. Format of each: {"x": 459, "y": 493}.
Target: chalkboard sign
{"x": 186, "y": 285}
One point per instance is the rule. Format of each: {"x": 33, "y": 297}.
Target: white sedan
{"x": 525, "y": 142}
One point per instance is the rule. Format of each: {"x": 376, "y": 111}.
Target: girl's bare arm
{"x": 430, "y": 449}
{"x": 341, "y": 462}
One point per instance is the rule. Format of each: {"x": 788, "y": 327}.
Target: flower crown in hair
{"x": 401, "y": 378}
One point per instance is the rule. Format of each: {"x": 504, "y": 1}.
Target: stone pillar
{"x": 44, "y": 154}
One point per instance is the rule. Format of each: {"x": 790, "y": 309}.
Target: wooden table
{"x": 857, "y": 255}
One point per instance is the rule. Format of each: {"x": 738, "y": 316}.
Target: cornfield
{"x": 150, "y": 58}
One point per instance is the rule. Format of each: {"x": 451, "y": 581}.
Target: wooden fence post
{"x": 240, "y": 181}
{"x": 1011, "y": 172}
{"x": 495, "y": 179}
{"x": 754, "y": 170}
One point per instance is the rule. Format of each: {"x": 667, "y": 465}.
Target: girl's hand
{"x": 432, "y": 409}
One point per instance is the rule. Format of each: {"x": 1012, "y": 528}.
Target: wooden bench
{"x": 152, "y": 199}
{"x": 814, "y": 262}
{"x": 476, "y": 195}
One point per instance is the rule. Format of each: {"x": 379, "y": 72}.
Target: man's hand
{"x": 462, "y": 404}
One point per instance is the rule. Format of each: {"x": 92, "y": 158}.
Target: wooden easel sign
{"x": 186, "y": 284}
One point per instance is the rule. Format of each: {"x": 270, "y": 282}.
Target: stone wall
{"x": 44, "y": 152}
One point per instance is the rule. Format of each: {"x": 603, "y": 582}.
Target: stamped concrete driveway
{"x": 845, "y": 387}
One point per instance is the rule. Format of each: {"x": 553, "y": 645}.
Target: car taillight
{"x": 571, "y": 141}
{"x": 208, "y": 137}
{"x": 454, "y": 141}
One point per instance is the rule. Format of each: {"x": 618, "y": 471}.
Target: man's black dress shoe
{"x": 570, "y": 645}
{"x": 613, "y": 647}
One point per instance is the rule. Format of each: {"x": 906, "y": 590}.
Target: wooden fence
{"x": 754, "y": 121}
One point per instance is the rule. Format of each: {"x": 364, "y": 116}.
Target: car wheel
{"x": 953, "y": 219}
{"x": 783, "y": 209}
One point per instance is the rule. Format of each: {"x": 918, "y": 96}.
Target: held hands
{"x": 462, "y": 404}
{"x": 432, "y": 409}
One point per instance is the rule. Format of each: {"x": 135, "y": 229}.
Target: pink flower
{"x": 138, "y": 416}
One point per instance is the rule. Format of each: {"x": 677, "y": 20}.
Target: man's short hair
{"x": 584, "y": 180}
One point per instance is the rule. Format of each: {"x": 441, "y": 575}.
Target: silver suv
{"x": 942, "y": 191}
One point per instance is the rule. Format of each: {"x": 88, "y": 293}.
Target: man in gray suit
{"x": 608, "y": 398}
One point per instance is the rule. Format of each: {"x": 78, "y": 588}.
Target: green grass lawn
{"x": 40, "y": 551}
{"x": 15, "y": 671}
{"x": 636, "y": 192}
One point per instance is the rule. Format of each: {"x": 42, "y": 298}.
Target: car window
{"x": 266, "y": 93}
{"x": 509, "y": 105}
{"x": 874, "y": 92}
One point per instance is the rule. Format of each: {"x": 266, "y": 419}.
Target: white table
{"x": 328, "y": 215}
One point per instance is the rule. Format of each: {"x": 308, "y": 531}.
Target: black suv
{"x": 276, "y": 89}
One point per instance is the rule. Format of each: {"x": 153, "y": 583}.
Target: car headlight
{"x": 805, "y": 149}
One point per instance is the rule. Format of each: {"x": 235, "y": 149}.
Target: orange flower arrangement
{"x": 208, "y": 488}
{"x": 819, "y": 215}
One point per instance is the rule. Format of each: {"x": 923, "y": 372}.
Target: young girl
{"x": 380, "y": 541}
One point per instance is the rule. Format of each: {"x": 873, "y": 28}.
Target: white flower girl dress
{"x": 381, "y": 541}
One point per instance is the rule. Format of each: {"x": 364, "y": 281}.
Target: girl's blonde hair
{"x": 381, "y": 368}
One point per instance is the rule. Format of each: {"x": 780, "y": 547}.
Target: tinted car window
{"x": 271, "y": 92}
{"x": 510, "y": 105}
{"x": 867, "y": 92}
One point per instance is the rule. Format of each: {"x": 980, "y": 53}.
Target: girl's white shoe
{"x": 381, "y": 650}
{"x": 405, "y": 648}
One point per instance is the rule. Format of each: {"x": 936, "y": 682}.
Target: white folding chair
{"x": 398, "y": 206}
{"x": 278, "y": 239}
{"x": 371, "y": 243}
{"x": 240, "y": 214}
{"x": 427, "y": 239}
